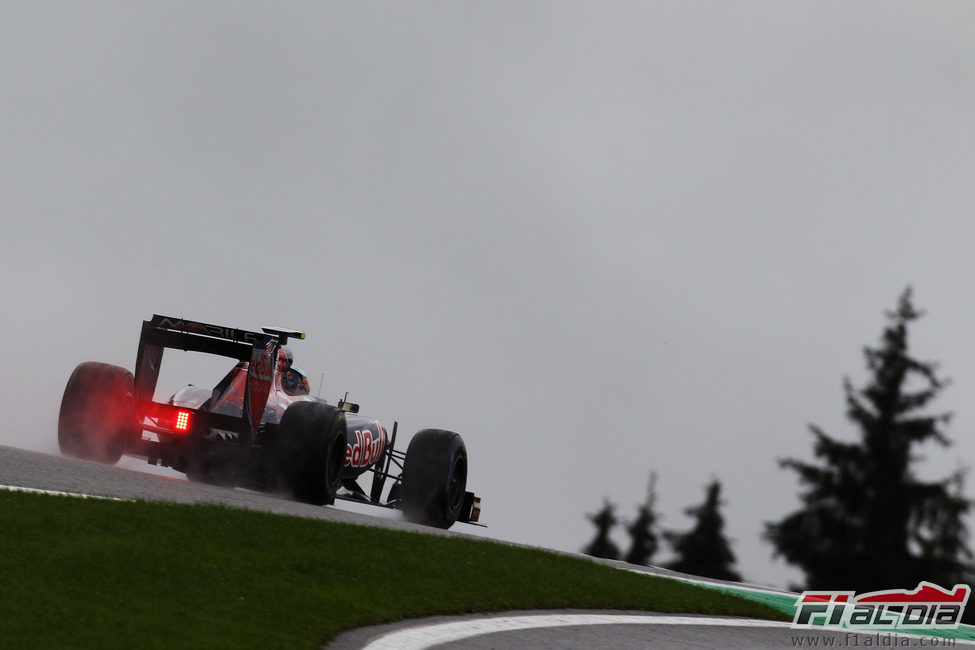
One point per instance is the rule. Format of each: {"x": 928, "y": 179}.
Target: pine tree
{"x": 602, "y": 546}
{"x": 643, "y": 538}
{"x": 704, "y": 550}
{"x": 866, "y": 521}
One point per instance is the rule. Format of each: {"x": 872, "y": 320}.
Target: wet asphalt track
{"x": 28, "y": 469}
{"x": 653, "y": 631}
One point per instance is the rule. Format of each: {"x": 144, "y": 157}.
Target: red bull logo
{"x": 367, "y": 449}
{"x": 260, "y": 373}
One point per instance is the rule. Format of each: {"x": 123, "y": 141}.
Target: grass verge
{"x": 93, "y": 573}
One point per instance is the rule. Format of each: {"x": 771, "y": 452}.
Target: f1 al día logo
{"x": 929, "y": 607}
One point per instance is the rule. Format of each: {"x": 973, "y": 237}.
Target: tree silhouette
{"x": 602, "y": 545}
{"x": 643, "y": 538}
{"x": 704, "y": 550}
{"x": 866, "y": 521}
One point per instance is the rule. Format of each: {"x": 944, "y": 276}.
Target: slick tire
{"x": 434, "y": 478}
{"x": 97, "y": 414}
{"x": 310, "y": 452}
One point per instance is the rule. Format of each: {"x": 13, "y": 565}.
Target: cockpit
{"x": 295, "y": 382}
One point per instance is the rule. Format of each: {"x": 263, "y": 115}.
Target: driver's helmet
{"x": 285, "y": 358}
{"x": 294, "y": 382}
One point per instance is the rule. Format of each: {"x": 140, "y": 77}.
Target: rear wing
{"x": 259, "y": 348}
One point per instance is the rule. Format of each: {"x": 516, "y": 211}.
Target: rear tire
{"x": 309, "y": 451}
{"x": 434, "y": 478}
{"x": 97, "y": 415}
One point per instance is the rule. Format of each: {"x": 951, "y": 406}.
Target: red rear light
{"x": 169, "y": 419}
{"x": 182, "y": 421}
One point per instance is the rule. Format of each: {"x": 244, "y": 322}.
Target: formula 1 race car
{"x": 259, "y": 427}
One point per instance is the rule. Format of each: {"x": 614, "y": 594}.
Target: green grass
{"x": 94, "y": 573}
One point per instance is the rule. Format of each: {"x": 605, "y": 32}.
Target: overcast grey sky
{"x": 596, "y": 239}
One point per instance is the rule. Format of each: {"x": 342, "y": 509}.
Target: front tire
{"x": 97, "y": 414}
{"x": 434, "y": 478}
{"x": 310, "y": 451}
